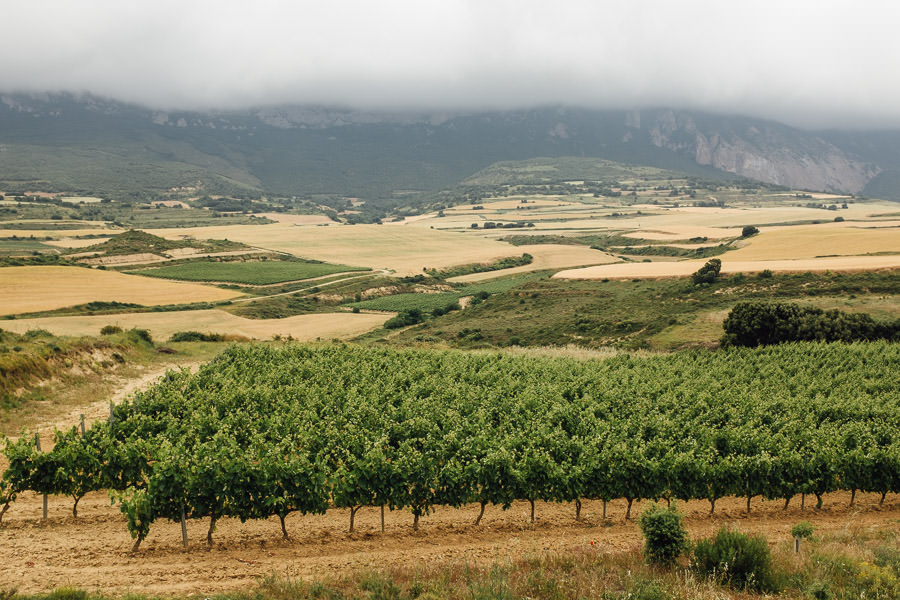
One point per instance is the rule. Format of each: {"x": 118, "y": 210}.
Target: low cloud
{"x": 809, "y": 63}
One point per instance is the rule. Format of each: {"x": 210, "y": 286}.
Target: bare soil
{"x": 93, "y": 552}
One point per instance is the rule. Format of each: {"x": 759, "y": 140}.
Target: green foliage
{"x": 761, "y": 323}
{"x": 888, "y": 556}
{"x": 749, "y": 231}
{"x": 140, "y": 334}
{"x": 664, "y": 534}
{"x": 708, "y": 273}
{"x": 736, "y": 559}
{"x": 803, "y": 529}
{"x": 404, "y": 319}
{"x": 498, "y": 265}
{"x": 265, "y": 430}
{"x": 196, "y": 336}
{"x": 412, "y": 301}
{"x": 137, "y": 242}
{"x": 135, "y": 504}
{"x": 110, "y": 329}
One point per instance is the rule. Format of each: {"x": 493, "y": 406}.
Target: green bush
{"x": 803, "y": 529}
{"x": 736, "y": 559}
{"x": 664, "y": 534}
{"x": 110, "y": 329}
{"x": 404, "y": 319}
{"x": 196, "y": 336}
{"x": 708, "y": 272}
{"x": 141, "y": 334}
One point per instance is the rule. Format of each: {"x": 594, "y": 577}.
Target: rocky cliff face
{"x": 303, "y": 149}
{"x": 759, "y": 150}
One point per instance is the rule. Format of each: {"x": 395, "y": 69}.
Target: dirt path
{"x": 99, "y": 409}
{"x": 92, "y": 552}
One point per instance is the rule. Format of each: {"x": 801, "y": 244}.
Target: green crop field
{"x": 402, "y": 302}
{"x": 251, "y": 273}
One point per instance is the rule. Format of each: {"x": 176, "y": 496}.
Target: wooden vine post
{"x": 37, "y": 446}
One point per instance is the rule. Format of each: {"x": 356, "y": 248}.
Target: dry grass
{"x": 830, "y": 239}
{"x": 162, "y": 325}
{"x": 298, "y": 219}
{"x": 70, "y": 242}
{"x": 685, "y": 268}
{"x": 57, "y": 233}
{"x": 33, "y": 289}
{"x": 405, "y": 250}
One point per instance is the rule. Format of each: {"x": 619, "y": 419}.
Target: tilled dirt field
{"x": 93, "y": 552}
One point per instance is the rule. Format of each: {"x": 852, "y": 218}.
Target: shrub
{"x": 196, "y": 336}
{"x": 665, "y": 535}
{"x": 748, "y": 231}
{"x": 708, "y": 272}
{"x": 803, "y": 529}
{"x": 761, "y": 323}
{"x": 141, "y": 334}
{"x": 110, "y": 329}
{"x": 734, "y": 558}
{"x": 404, "y": 319}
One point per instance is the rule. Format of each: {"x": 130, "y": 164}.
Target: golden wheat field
{"x": 57, "y": 234}
{"x": 663, "y": 221}
{"x": 39, "y": 288}
{"x": 404, "y": 250}
{"x": 163, "y": 324}
{"x": 629, "y": 270}
{"x": 811, "y": 241}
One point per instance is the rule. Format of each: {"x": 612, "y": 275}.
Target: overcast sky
{"x": 815, "y": 63}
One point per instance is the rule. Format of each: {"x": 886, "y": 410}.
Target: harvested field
{"x": 405, "y": 250}
{"x": 92, "y": 551}
{"x": 831, "y": 239}
{"x": 33, "y": 289}
{"x": 70, "y": 242}
{"x": 163, "y": 324}
{"x": 546, "y": 256}
{"x": 299, "y": 219}
{"x": 684, "y": 268}
{"x": 59, "y": 233}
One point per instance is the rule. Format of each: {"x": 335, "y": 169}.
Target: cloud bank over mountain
{"x": 824, "y": 63}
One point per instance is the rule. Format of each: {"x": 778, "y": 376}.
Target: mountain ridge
{"x": 89, "y": 143}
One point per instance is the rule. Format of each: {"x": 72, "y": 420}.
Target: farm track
{"x": 92, "y": 552}
{"x": 300, "y": 291}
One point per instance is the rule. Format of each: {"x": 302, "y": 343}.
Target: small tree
{"x": 708, "y": 272}
{"x": 749, "y": 231}
{"x": 665, "y": 535}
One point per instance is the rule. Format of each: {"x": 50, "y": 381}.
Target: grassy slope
{"x": 40, "y": 372}
{"x": 665, "y": 313}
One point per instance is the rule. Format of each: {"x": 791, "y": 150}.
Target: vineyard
{"x": 266, "y": 431}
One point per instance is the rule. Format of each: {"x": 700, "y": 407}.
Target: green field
{"x": 402, "y": 302}
{"x": 250, "y": 273}
{"x": 9, "y": 247}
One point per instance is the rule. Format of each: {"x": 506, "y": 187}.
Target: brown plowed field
{"x": 92, "y": 552}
